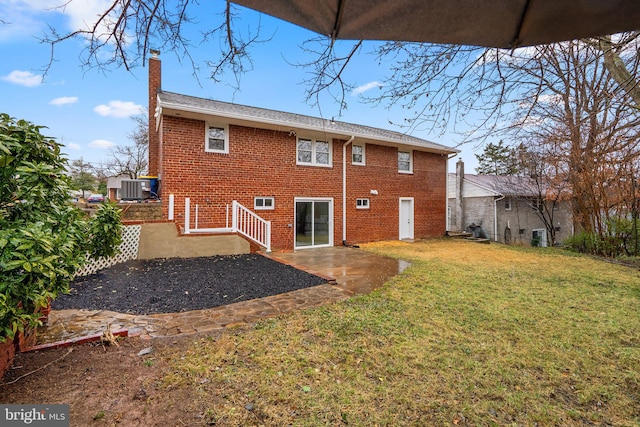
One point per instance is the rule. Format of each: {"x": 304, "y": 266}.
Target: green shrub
{"x": 43, "y": 238}
{"x": 619, "y": 239}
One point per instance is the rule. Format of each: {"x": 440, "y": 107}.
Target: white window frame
{"x": 410, "y": 171}
{"x": 264, "y": 207}
{"x": 330, "y": 220}
{"x": 206, "y": 138}
{"x": 362, "y": 203}
{"x": 543, "y": 236}
{"x": 314, "y": 153}
{"x": 363, "y": 162}
{"x": 507, "y": 203}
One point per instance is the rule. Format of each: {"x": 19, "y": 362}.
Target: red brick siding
{"x": 381, "y": 221}
{"x": 7, "y": 354}
{"x": 263, "y": 163}
{"x": 155, "y": 79}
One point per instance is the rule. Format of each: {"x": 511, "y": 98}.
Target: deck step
{"x": 477, "y": 240}
{"x": 458, "y": 234}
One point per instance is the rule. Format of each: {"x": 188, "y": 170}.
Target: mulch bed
{"x": 183, "y": 284}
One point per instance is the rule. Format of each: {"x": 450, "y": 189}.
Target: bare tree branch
{"x": 123, "y": 33}
{"x": 235, "y": 48}
{"x": 129, "y": 160}
{"x": 618, "y": 68}
{"x": 326, "y": 69}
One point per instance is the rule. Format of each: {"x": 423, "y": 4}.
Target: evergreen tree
{"x": 81, "y": 177}
{"x": 498, "y": 159}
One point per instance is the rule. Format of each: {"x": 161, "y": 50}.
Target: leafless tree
{"x": 125, "y": 31}
{"x": 545, "y": 183}
{"x": 129, "y": 160}
{"x": 569, "y": 110}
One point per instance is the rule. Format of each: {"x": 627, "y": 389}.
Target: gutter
{"x": 344, "y": 189}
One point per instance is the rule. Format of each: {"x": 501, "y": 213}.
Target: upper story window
{"x": 313, "y": 152}
{"x": 216, "y": 139}
{"x": 405, "y": 161}
{"x": 507, "y": 204}
{"x": 357, "y": 154}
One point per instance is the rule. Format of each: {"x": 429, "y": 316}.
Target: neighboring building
{"x": 319, "y": 182}
{"x": 503, "y": 208}
{"x": 114, "y": 185}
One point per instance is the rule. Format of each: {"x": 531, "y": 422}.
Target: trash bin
{"x": 153, "y": 184}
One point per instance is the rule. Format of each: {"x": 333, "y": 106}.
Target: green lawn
{"x": 469, "y": 335}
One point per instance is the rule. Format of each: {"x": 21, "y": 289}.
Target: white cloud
{"x": 23, "y": 78}
{"x": 543, "y": 99}
{"x": 27, "y": 18}
{"x": 119, "y": 109}
{"x": 550, "y": 98}
{"x": 73, "y": 146}
{"x": 64, "y": 100}
{"x": 103, "y": 144}
{"x": 84, "y": 13}
{"x": 365, "y": 87}
{"x": 20, "y": 20}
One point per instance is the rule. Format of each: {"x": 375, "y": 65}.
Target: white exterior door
{"x": 406, "y": 218}
{"x": 539, "y": 237}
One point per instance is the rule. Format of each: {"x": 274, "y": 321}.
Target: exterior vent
{"x": 132, "y": 189}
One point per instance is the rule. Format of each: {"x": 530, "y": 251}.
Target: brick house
{"x": 318, "y": 182}
{"x": 505, "y": 209}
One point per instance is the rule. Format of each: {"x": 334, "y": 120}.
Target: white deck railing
{"x": 243, "y": 222}
{"x": 251, "y": 225}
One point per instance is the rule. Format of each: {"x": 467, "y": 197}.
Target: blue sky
{"x": 89, "y": 110}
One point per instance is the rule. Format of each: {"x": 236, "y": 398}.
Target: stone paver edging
{"x": 72, "y": 324}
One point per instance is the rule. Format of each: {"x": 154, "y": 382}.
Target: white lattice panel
{"x": 128, "y": 250}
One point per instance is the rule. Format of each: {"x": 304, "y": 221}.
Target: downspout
{"x": 344, "y": 190}
{"x": 446, "y": 203}
{"x": 495, "y": 217}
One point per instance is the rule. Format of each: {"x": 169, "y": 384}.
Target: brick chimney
{"x": 155, "y": 85}
{"x": 459, "y": 201}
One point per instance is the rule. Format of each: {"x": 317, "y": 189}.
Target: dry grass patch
{"x": 468, "y": 335}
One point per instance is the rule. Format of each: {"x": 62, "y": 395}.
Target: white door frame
{"x": 543, "y": 234}
{"x": 312, "y": 199}
{"x": 404, "y": 221}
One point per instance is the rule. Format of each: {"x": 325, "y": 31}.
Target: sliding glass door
{"x": 314, "y": 223}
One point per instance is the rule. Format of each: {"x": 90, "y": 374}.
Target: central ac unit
{"x": 132, "y": 189}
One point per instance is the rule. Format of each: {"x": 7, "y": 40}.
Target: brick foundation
{"x": 7, "y": 353}
{"x": 141, "y": 211}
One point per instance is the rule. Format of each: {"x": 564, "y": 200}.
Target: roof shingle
{"x": 263, "y": 115}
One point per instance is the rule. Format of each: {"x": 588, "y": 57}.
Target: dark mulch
{"x": 183, "y": 284}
